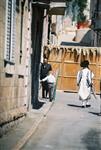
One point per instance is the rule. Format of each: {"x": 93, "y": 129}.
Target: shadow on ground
{"x": 96, "y": 113}
{"x": 72, "y": 105}
{"x": 92, "y": 139}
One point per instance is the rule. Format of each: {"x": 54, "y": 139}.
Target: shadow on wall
{"x": 83, "y": 38}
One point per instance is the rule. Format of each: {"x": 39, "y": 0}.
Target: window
{"x": 10, "y": 30}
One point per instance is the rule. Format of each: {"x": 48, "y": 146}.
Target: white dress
{"x": 83, "y": 77}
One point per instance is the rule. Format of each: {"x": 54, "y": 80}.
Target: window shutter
{"x": 10, "y": 30}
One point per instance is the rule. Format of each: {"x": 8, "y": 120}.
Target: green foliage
{"x": 81, "y": 4}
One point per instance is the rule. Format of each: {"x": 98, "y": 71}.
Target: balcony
{"x": 57, "y": 8}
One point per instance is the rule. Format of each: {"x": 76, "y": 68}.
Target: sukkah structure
{"x": 67, "y": 60}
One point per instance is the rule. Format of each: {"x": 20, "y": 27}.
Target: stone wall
{"x": 14, "y": 77}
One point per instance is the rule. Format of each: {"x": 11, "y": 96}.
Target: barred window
{"x": 10, "y": 30}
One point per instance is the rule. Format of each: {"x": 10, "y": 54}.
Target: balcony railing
{"x": 86, "y": 51}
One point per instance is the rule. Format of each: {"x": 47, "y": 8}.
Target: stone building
{"x": 96, "y": 21}
{"x": 15, "y": 50}
{"x": 22, "y": 35}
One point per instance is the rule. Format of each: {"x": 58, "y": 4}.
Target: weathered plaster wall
{"x": 13, "y": 84}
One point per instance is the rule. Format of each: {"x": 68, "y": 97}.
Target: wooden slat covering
{"x": 67, "y": 60}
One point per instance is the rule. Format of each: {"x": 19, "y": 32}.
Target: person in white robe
{"x": 84, "y": 81}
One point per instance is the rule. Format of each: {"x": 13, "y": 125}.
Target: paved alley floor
{"x": 68, "y": 126}
{"x": 15, "y": 138}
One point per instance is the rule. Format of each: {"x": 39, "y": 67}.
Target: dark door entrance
{"x": 37, "y": 26}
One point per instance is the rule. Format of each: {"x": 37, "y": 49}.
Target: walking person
{"x": 45, "y": 68}
{"x": 84, "y": 81}
{"x": 51, "y": 84}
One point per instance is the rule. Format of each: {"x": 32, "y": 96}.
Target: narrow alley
{"x": 68, "y": 126}
{"x": 43, "y": 47}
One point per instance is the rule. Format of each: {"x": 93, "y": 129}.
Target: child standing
{"x": 51, "y": 84}
{"x": 84, "y": 81}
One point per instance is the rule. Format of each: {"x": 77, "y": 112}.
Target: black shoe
{"x": 47, "y": 97}
{"x": 51, "y": 100}
{"x": 43, "y": 97}
{"x": 88, "y": 105}
{"x": 83, "y": 106}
